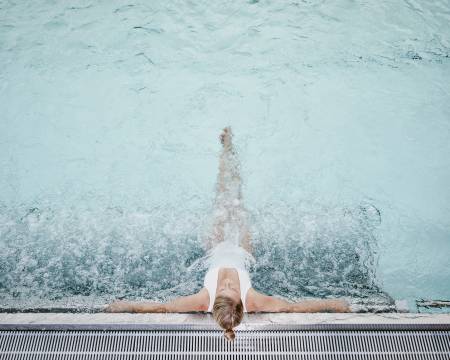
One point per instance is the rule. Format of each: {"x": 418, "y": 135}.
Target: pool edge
{"x": 178, "y": 321}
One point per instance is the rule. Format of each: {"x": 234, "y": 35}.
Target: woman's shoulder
{"x": 203, "y": 296}
{"x": 251, "y": 300}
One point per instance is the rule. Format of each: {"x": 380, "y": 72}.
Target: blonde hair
{"x": 228, "y": 314}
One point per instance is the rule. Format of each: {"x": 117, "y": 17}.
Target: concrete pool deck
{"x": 250, "y": 320}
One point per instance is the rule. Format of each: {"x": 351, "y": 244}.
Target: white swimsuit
{"x": 227, "y": 255}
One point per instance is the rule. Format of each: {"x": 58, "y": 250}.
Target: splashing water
{"x": 86, "y": 258}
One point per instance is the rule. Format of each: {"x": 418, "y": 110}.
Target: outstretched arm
{"x": 264, "y": 303}
{"x": 182, "y": 304}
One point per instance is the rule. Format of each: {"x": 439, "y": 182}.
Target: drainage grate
{"x": 210, "y": 344}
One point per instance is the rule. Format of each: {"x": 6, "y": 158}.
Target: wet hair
{"x": 228, "y": 314}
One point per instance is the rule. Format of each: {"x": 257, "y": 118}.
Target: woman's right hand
{"x": 119, "y": 306}
{"x": 340, "y": 305}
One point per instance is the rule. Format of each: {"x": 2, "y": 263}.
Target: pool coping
{"x": 183, "y": 321}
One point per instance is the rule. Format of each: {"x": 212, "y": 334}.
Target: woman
{"x": 227, "y": 291}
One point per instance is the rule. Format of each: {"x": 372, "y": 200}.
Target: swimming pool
{"x": 109, "y": 147}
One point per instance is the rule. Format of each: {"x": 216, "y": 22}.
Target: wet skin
{"x": 228, "y": 285}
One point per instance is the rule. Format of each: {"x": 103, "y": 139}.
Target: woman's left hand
{"x": 119, "y": 306}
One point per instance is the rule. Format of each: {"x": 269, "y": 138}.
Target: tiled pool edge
{"x": 149, "y": 321}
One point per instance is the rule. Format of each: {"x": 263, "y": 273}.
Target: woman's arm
{"x": 196, "y": 302}
{"x": 325, "y": 305}
{"x": 263, "y": 303}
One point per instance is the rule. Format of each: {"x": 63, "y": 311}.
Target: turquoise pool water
{"x": 109, "y": 124}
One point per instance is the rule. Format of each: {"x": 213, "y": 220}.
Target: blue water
{"x": 109, "y": 124}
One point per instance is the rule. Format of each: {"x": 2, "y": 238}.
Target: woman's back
{"x": 211, "y": 280}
